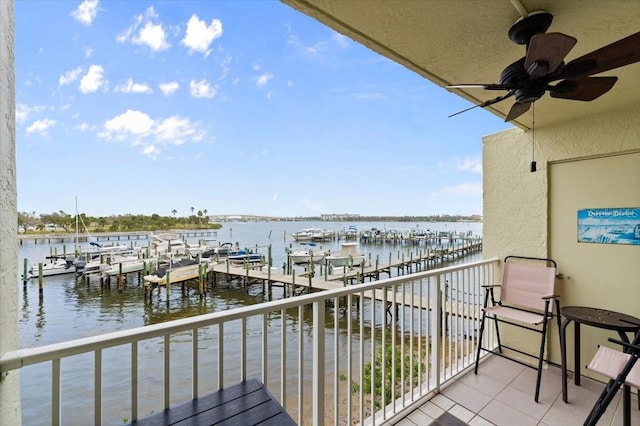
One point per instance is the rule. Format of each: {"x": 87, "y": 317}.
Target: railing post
{"x": 437, "y": 334}
{"x": 55, "y": 392}
{"x": 318, "y": 363}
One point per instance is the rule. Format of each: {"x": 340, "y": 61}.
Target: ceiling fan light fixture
{"x": 529, "y": 93}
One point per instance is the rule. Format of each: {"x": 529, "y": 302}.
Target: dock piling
{"x": 40, "y": 281}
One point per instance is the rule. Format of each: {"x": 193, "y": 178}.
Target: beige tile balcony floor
{"x": 502, "y": 394}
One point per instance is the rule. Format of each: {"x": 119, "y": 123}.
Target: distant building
{"x": 339, "y": 217}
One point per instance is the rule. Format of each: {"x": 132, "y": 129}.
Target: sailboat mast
{"x": 75, "y": 243}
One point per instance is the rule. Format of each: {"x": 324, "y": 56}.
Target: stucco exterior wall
{"x": 9, "y": 389}
{"x": 516, "y": 201}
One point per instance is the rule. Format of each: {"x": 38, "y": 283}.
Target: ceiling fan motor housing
{"x": 514, "y": 74}
{"x": 529, "y": 93}
{"x": 516, "y": 79}
{"x": 534, "y": 23}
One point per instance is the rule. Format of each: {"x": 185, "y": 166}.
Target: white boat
{"x": 305, "y": 234}
{"x": 98, "y": 249}
{"x": 348, "y": 256}
{"x": 127, "y": 265}
{"x": 221, "y": 251}
{"x": 178, "y": 271}
{"x": 351, "y": 233}
{"x": 306, "y": 255}
{"x": 313, "y": 234}
{"x": 244, "y": 256}
{"x": 56, "y": 267}
{"x": 89, "y": 261}
{"x": 323, "y": 235}
{"x": 162, "y": 244}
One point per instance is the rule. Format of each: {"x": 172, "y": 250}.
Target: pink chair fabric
{"x": 610, "y": 362}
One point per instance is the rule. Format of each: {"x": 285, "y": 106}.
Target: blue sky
{"x": 236, "y": 107}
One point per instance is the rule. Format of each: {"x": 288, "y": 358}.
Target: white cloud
{"x": 150, "y": 150}
{"x": 127, "y": 125}
{"x": 33, "y": 80}
{"x": 138, "y": 129}
{"x": 168, "y": 88}
{"x": 198, "y": 36}
{"x": 152, "y": 35}
{"x": 83, "y": 127}
{"x": 178, "y": 131}
{"x": 23, "y": 111}
{"x": 86, "y": 12}
{"x": 224, "y": 64}
{"x": 87, "y": 52}
{"x": 145, "y": 32}
{"x": 470, "y": 164}
{"x": 69, "y": 76}
{"x": 308, "y": 50}
{"x": 41, "y": 127}
{"x": 202, "y": 89}
{"x": 341, "y": 40}
{"x": 130, "y": 87}
{"x": 290, "y": 84}
{"x": 264, "y": 79}
{"x": 92, "y": 80}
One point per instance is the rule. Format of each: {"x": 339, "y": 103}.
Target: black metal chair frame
{"x": 547, "y": 314}
{"x": 613, "y": 385}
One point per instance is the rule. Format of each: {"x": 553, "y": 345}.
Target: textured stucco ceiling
{"x": 465, "y": 41}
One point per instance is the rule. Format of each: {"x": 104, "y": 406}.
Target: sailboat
{"x": 90, "y": 258}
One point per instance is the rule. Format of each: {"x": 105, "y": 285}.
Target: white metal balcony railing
{"x": 362, "y": 353}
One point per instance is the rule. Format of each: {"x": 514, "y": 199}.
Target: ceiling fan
{"x": 528, "y": 78}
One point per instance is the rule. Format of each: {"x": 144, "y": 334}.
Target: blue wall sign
{"x": 609, "y": 226}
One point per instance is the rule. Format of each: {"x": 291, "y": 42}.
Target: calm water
{"x": 71, "y": 310}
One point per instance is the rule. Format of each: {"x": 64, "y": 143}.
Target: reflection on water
{"x": 70, "y": 310}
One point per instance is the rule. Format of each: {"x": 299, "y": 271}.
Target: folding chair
{"x": 622, "y": 369}
{"x": 525, "y": 301}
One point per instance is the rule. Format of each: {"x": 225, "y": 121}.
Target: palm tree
{"x": 192, "y": 209}
{"x": 174, "y": 211}
{"x": 204, "y": 211}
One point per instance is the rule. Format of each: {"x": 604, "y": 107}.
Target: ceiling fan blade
{"x": 476, "y": 86}
{"x": 517, "y": 110}
{"x": 584, "y": 89}
{"x": 615, "y": 55}
{"x": 484, "y": 104}
{"x": 546, "y": 52}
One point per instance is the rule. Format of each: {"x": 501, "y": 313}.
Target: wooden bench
{"x": 247, "y": 403}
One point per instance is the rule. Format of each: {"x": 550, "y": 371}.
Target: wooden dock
{"x": 309, "y": 281}
{"x": 317, "y": 277}
{"x": 309, "y": 284}
{"x": 107, "y": 236}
